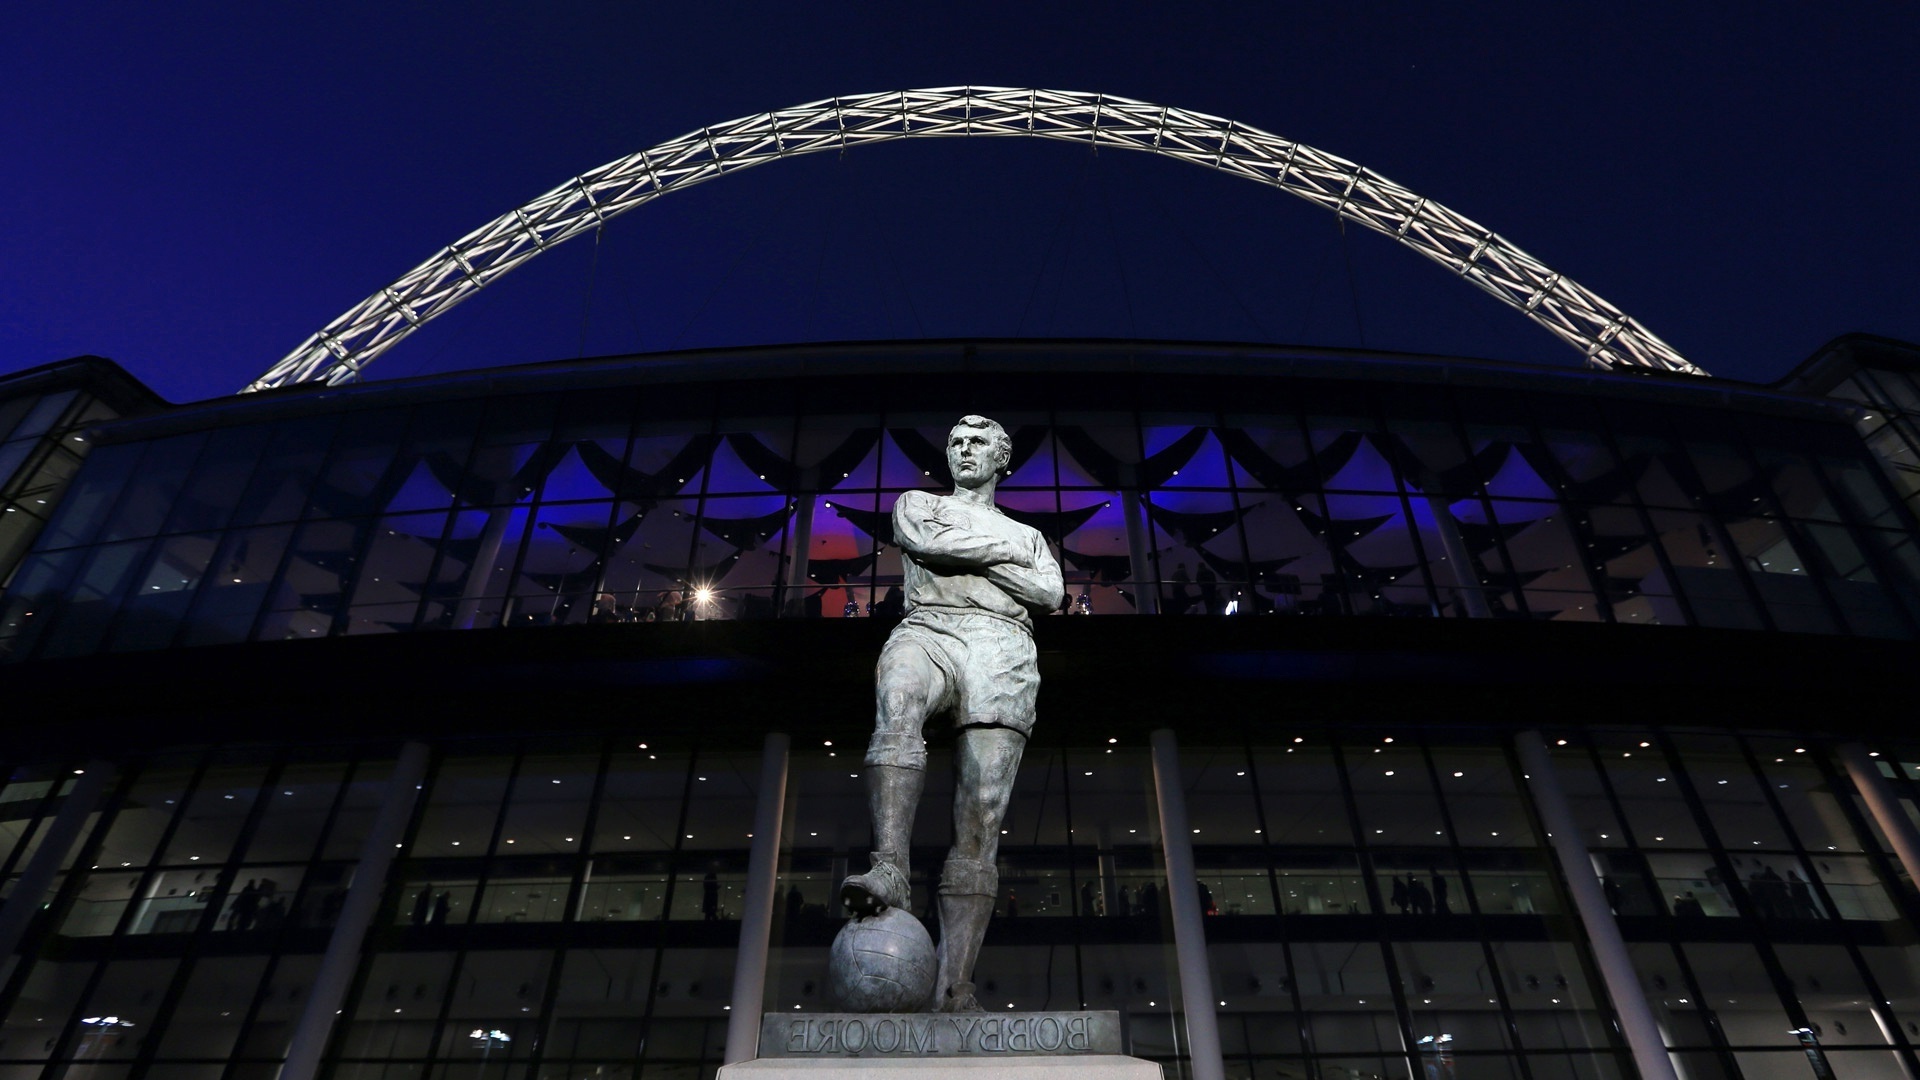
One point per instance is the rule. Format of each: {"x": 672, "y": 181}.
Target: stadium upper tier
{"x": 1174, "y": 479}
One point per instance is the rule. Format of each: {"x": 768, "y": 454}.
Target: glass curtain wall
{"x": 662, "y": 505}
{"x": 1378, "y": 899}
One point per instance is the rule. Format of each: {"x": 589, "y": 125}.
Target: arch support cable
{"x": 1607, "y": 337}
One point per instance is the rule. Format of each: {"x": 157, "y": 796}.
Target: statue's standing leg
{"x": 906, "y": 687}
{"x": 988, "y": 759}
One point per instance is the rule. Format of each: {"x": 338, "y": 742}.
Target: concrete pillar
{"x": 756, "y": 910}
{"x": 1183, "y": 900}
{"x": 1146, "y": 586}
{"x": 1590, "y": 900}
{"x": 798, "y": 552}
{"x": 330, "y": 983}
{"x": 80, "y": 801}
{"x": 1884, "y": 805}
{"x": 1472, "y": 596}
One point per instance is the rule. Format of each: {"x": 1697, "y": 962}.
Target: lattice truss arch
{"x": 1607, "y": 337}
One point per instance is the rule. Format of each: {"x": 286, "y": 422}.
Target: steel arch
{"x": 1606, "y": 336}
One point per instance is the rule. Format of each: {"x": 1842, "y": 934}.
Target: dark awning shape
{"x": 1480, "y": 537}
{"x": 1275, "y": 476}
{"x": 1471, "y": 474}
{"x": 747, "y": 533}
{"x": 595, "y": 538}
{"x": 637, "y": 486}
{"x": 776, "y": 470}
{"x": 1196, "y": 529}
{"x": 1055, "y": 525}
{"x": 1112, "y": 569}
{"x": 875, "y": 523}
{"x": 1609, "y": 486}
{"x": 489, "y": 491}
{"x": 835, "y": 571}
{"x": 1107, "y": 468}
{"x": 1344, "y": 530}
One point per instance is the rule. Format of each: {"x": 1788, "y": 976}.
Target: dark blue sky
{"x": 193, "y": 189}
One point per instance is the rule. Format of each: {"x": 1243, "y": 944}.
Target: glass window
{"x": 1395, "y": 795}
{"x": 462, "y": 805}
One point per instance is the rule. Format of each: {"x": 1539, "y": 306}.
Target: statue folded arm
{"x": 1039, "y": 586}
{"x": 933, "y": 535}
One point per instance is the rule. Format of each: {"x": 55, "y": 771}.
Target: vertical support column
{"x": 356, "y": 916}
{"x": 756, "y": 910}
{"x": 1183, "y": 900}
{"x": 1146, "y": 586}
{"x": 1459, "y": 558}
{"x": 80, "y": 800}
{"x": 1590, "y": 899}
{"x": 1884, "y": 805}
{"x": 800, "y": 550}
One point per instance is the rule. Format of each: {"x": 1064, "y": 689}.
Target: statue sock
{"x": 893, "y": 793}
{"x": 967, "y": 889}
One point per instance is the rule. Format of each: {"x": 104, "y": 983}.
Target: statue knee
{"x": 968, "y": 877}
{"x": 900, "y": 749}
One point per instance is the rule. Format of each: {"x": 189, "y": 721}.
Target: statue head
{"x": 978, "y": 452}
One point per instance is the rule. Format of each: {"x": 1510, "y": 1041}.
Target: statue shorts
{"x": 989, "y": 670}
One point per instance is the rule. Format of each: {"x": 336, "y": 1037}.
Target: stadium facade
{"x": 420, "y": 729}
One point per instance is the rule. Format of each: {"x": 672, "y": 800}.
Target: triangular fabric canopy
{"x": 1290, "y": 478}
{"x": 750, "y": 532}
{"x": 644, "y": 488}
{"x": 875, "y": 523}
{"x": 596, "y": 538}
{"x": 1111, "y": 569}
{"x": 1108, "y": 469}
{"x": 1196, "y": 529}
{"x": 835, "y": 571}
{"x": 786, "y": 475}
{"x": 486, "y": 491}
{"x": 1055, "y": 525}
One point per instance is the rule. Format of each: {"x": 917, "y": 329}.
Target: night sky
{"x": 193, "y": 189}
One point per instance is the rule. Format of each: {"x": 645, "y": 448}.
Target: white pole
{"x": 356, "y": 916}
{"x": 1183, "y": 900}
{"x": 80, "y": 800}
{"x": 1590, "y": 899}
{"x": 756, "y": 914}
{"x": 1884, "y": 806}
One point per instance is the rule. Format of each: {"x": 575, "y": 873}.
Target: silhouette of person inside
{"x": 245, "y": 907}
{"x": 710, "y": 896}
{"x": 1182, "y": 597}
{"x": 1418, "y": 897}
{"x": 1440, "y": 905}
{"x": 423, "y": 905}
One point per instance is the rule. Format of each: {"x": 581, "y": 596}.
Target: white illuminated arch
{"x": 1605, "y": 336}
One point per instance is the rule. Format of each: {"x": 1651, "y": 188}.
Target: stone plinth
{"x": 943, "y": 1046}
{"x": 999, "y": 1067}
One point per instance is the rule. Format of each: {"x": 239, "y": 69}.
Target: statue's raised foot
{"x": 880, "y": 888}
{"x": 959, "y": 999}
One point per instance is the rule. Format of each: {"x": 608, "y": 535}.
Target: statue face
{"x": 974, "y": 456}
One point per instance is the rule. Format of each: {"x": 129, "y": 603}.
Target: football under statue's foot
{"x": 878, "y": 889}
